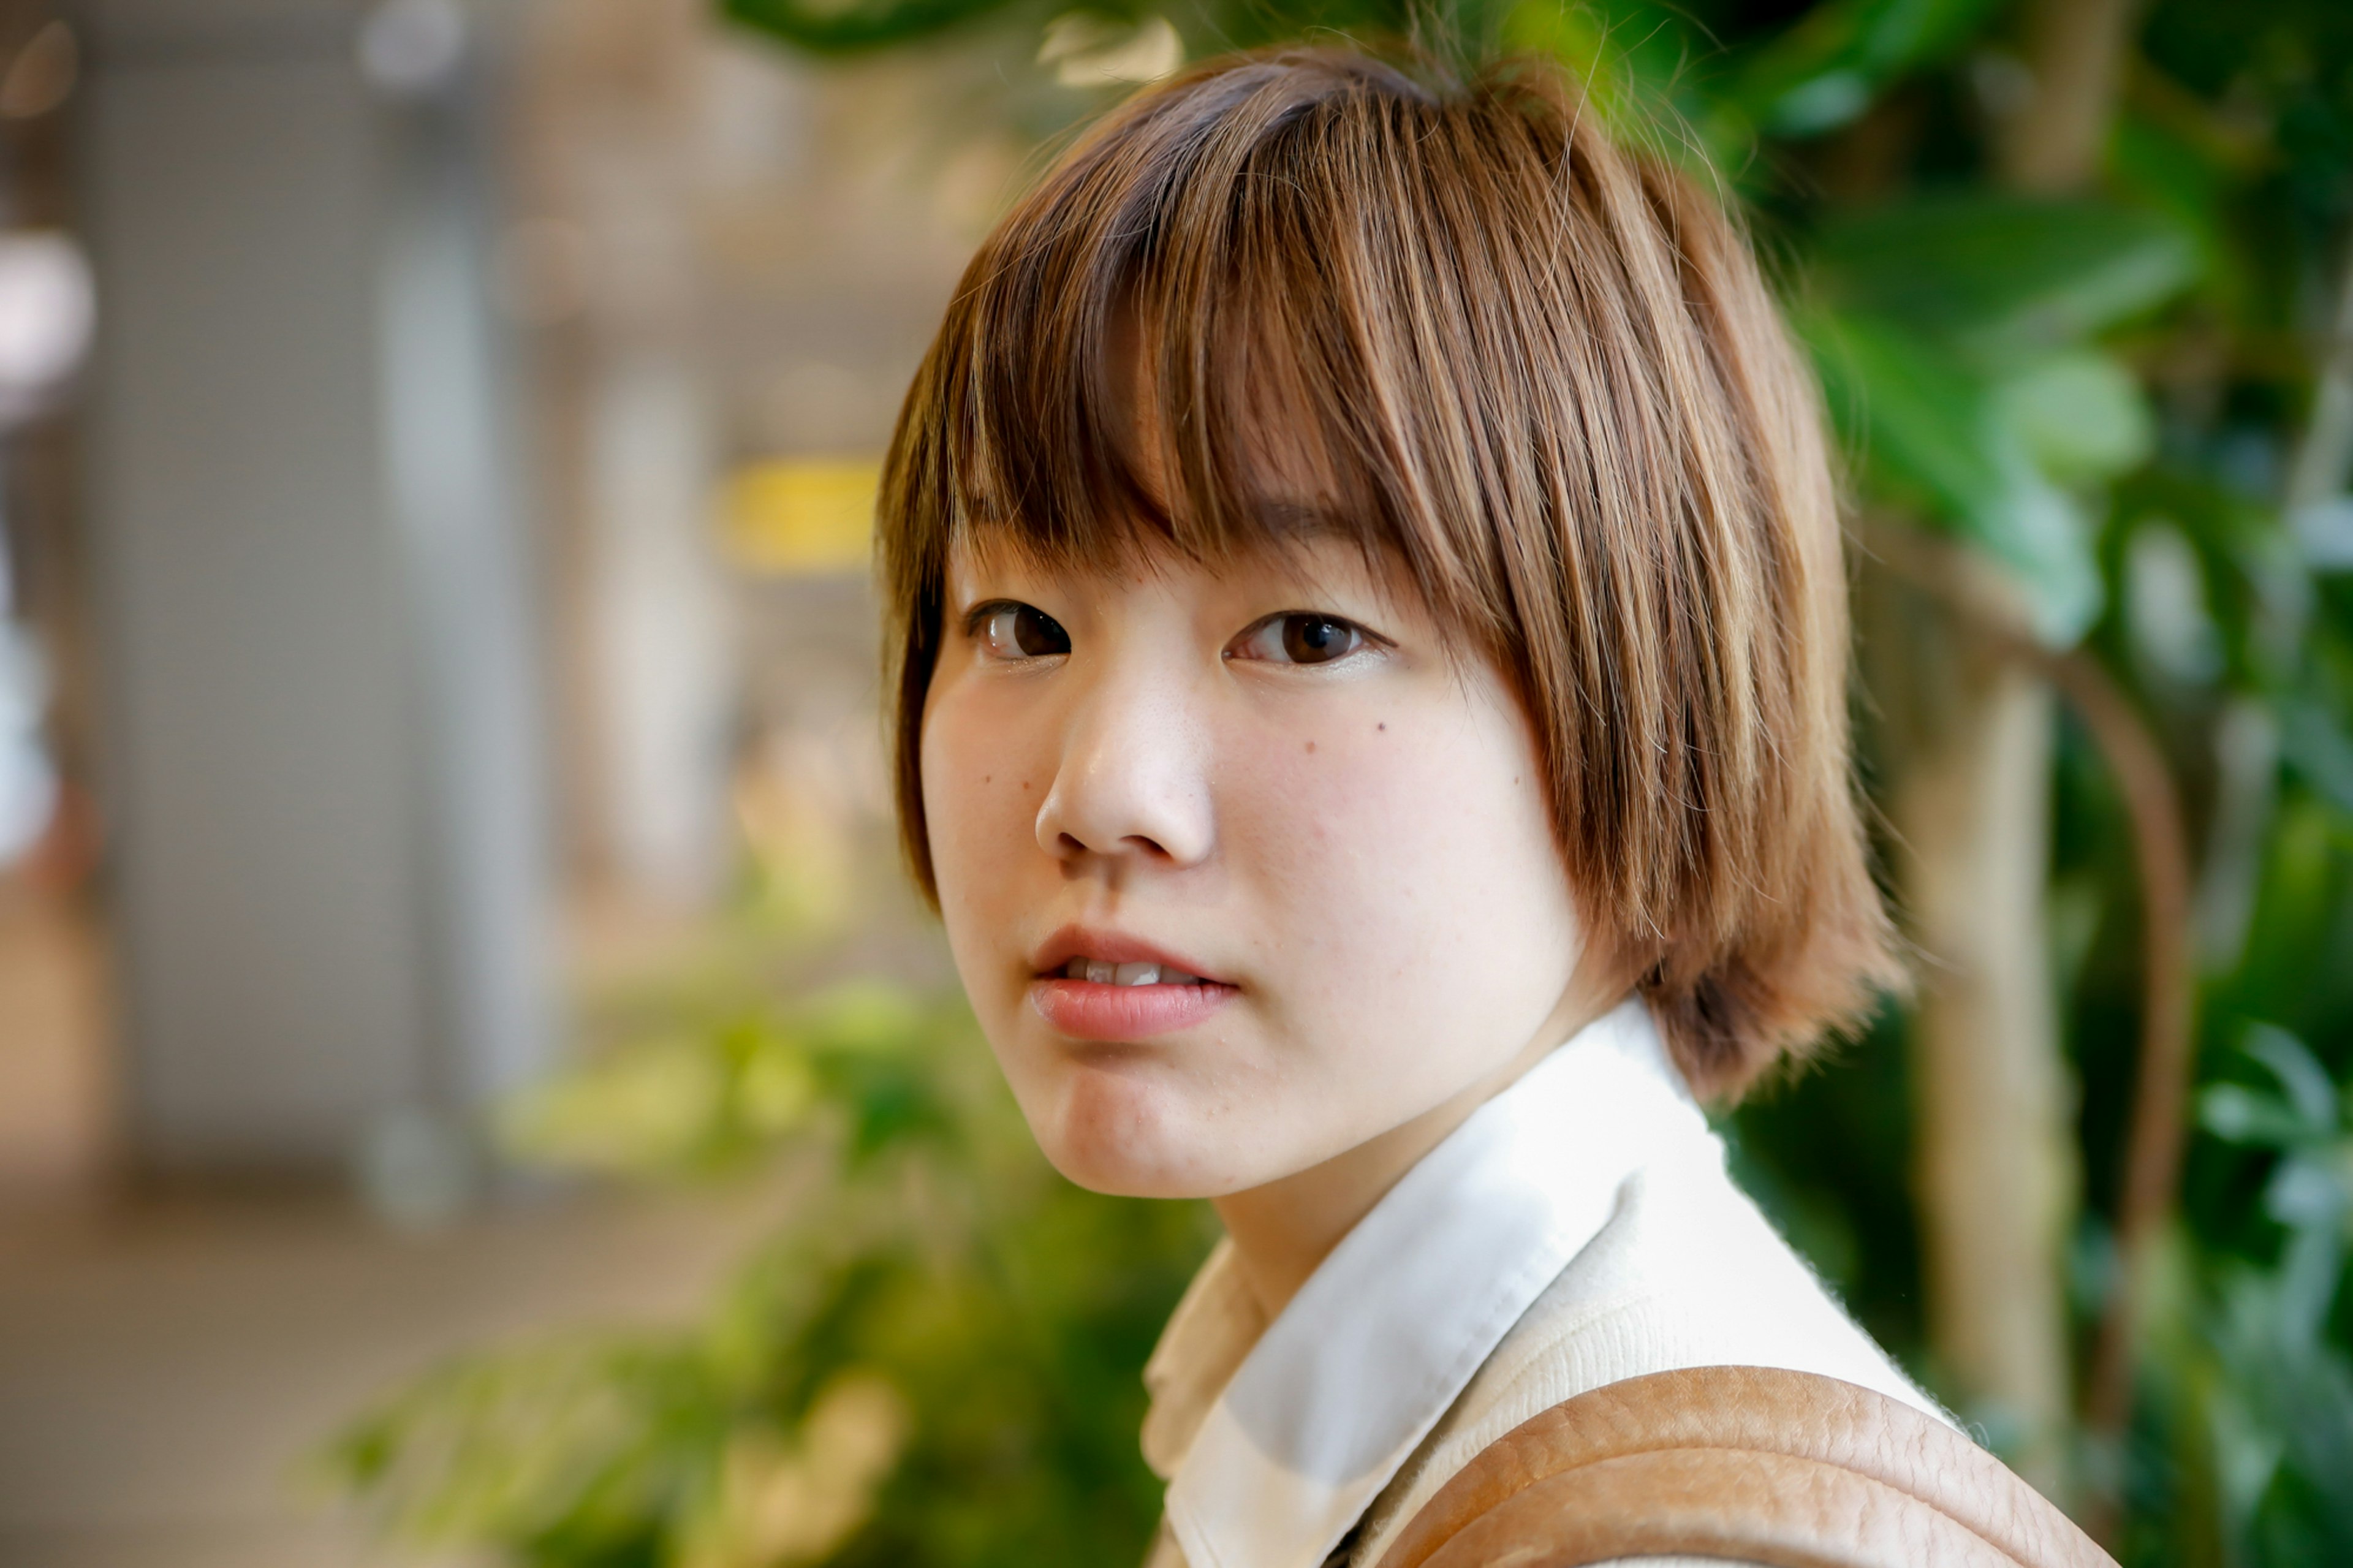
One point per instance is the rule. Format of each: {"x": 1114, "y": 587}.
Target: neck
{"x": 1283, "y": 1230}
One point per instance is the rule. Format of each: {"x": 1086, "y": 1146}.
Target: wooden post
{"x": 1972, "y": 809}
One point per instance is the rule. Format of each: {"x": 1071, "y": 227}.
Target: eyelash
{"x": 976, "y": 621}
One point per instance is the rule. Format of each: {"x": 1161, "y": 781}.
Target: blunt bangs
{"x": 1213, "y": 235}
{"x": 1452, "y": 322}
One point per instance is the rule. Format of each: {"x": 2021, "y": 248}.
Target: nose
{"x": 1131, "y": 788}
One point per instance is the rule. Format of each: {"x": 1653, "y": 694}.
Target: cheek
{"x": 981, "y": 784}
{"x": 1412, "y": 871}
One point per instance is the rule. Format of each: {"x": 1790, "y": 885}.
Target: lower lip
{"x": 1091, "y": 1010}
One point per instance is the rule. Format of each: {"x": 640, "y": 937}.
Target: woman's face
{"x": 1242, "y": 867}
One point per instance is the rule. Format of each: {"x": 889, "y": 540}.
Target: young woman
{"x": 1372, "y": 650}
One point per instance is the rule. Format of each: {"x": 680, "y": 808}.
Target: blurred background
{"x": 474, "y": 1086}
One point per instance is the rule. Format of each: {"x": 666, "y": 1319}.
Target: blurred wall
{"x": 321, "y": 768}
{"x": 728, "y": 263}
{"x": 351, "y": 567}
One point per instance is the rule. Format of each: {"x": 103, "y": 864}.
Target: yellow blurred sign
{"x": 801, "y": 516}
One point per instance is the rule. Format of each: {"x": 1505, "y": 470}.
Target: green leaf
{"x": 1824, "y": 71}
{"x": 653, "y": 1106}
{"x": 859, "y": 28}
{"x": 865, "y": 1016}
{"x": 2316, "y": 746}
{"x": 2193, "y": 182}
{"x": 2081, "y": 415}
{"x": 1933, "y": 438}
{"x": 2237, "y": 1114}
{"x": 2307, "y": 1084}
{"x": 1998, "y": 275}
{"x": 1630, "y": 55}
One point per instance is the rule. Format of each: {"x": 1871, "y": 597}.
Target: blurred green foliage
{"x": 932, "y": 1361}
{"x": 2258, "y": 1370}
{"x": 2104, "y": 396}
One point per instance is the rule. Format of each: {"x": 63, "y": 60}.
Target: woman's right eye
{"x": 1018, "y": 631}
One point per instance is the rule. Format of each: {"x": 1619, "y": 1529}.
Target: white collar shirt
{"x": 1575, "y": 1229}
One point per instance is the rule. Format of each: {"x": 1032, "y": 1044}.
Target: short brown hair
{"x": 1543, "y": 373}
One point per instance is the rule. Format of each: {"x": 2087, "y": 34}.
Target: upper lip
{"x": 1107, "y": 947}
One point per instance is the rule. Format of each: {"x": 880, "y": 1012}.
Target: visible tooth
{"x": 1137, "y": 974}
{"x": 1100, "y": 972}
{"x": 1075, "y": 970}
{"x": 1178, "y": 977}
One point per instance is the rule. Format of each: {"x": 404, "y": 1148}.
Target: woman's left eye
{"x": 1302, "y": 636}
{"x": 1014, "y": 631}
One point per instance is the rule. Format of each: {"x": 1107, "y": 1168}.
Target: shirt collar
{"x": 1211, "y": 1331}
{"x": 1318, "y": 1414}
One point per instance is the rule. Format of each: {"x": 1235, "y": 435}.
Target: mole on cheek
{"x": 1311, "y": 745}
{"x": 1380, "y": 726}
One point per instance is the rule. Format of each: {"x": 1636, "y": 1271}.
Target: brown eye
{"x": 1316, "y": 639}
{"x": 1302, "y": 636}
{"x": 1019, "y": 631}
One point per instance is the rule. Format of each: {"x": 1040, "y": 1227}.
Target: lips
{"x": 1104, "y": 986}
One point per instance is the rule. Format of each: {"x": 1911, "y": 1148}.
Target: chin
{"x": 1111, "y": 1133}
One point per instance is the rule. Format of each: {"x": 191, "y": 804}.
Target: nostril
{"x": 1070, "y": 843}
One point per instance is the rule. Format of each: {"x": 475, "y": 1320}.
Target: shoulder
{"x": 1685, "y": 1273}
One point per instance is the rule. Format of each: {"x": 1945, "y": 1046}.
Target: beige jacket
{"x": 1662, "y": 1263}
